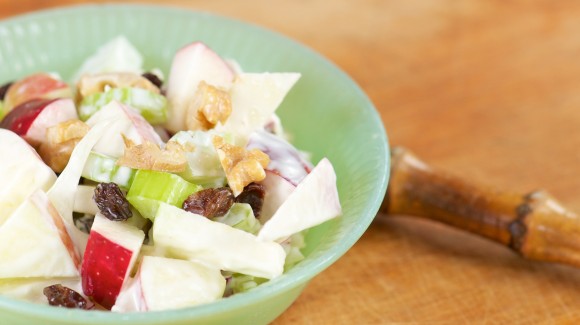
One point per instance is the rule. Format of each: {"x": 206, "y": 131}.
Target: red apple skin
{"x": 21, "y": 118}
{"x": 40, "y": 85}
{"x": 104, "y": 267}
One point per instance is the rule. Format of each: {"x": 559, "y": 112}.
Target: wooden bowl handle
{"x": 534, "y": 225}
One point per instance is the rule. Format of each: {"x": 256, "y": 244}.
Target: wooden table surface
{"x": 488, "y": 90}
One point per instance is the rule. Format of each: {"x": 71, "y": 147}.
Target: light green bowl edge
{"x": 283, "y": 292}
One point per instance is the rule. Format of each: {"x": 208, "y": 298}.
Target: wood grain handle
{"x": 535, "y": 225}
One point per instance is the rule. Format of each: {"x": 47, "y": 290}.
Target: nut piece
{"x": 210, "y": 106}
{"x": 61, "y": 139}
{"x": 96, "y": 83}
{"x": 149, "y": 156}
{"x": 241, "y": 166}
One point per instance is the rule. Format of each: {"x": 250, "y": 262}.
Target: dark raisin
{"x": 59, "y": 295}
{"x": 253, "y": 194}
{"x": 111, "y": 202}
{"x": 153, "y": 78}
{"x": 211, "y": 202}
{"x": 4, "y": 89}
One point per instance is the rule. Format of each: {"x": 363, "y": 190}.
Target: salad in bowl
{"x": 129, "y": 191}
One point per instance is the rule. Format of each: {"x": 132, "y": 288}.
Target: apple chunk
{"x": 21, "y": 174}
{"x": 34, "y": 242}
{"x": 131, "y": 124}
{"x": 277, "y": 189}
{"x": 192, "y": 64}
{"x": 110, "y": 255}
{"x": 164, "y": 283}
{"x": 31, "y": 119}
{"x": 36, "y": 86}
{"x": 190, "y": 236}
{"x": 314, "y": 201}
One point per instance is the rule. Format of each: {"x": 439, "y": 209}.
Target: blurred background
{"x": 487, "y": 90}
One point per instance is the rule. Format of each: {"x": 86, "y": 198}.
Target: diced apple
{"x": 314, "y": 201}
{"x": 192, "y": 64}
{"x": 36, "y": 86}
{"x": 133, "y": 127}
{"x": 117, "y": 55}
{"x": 277, "y": 190}
{"x": 84, "y": 202}
{"x": 285, "y": 159}
{"x": 110, "y": 255}
{"x": 31, "y": 119}
{"x": 164, "y": 283}
{"x": 21, "y": 174}
{"x": 255, "y": 98}
{"x": 190, "y": 236}
{"x": 34, "y": 242}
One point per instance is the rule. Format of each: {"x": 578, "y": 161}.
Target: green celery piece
{"x": 152, "y": 106}
{"x": 2, "y": 113}
{"x": 151, "y": 188}
{"x": 104, "y": 169}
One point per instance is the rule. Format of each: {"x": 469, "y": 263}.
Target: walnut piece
{"x": 61, "y": 139}
{"x": 210, "y": 106}
{"x": 96, "y": 83}
{"x": 241, "y": 166}
{"x": 149, "y": 156}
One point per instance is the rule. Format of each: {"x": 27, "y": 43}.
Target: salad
{"x": 127, "y": 193}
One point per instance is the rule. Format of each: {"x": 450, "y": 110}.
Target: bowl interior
{"x": 326, "y": 114}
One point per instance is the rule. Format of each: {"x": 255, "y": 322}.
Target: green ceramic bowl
{"x": 326, "y": 114}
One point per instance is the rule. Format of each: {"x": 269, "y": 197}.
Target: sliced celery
{"x": 152, "y": 106}
{"x": 103, "y": 169}
{"x": 151, "y": 188}
{"x": 2, "y": 113}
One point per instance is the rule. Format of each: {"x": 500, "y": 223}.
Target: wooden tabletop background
{"x": 488, "y": 90}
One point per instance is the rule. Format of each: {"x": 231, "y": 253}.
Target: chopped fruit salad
{"x": 127, "y": 192}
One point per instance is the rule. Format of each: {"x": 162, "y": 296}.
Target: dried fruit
{"x": 149, "y": 156}
{"x": 211, "y": 202}
{"x": 59, "y": 295}
{"x": 210, "y": 106}
{"x": 112, "y": 202}
{"x": 4, "y": 89}
{"x": 241, "y": 166}
{"x": 153, "y": 78}
{"x": 253, "y": 195}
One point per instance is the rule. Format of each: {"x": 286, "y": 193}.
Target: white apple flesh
{"x": 110, "y": 255}
{"x": 277, "y": 189}
{"x": 164, "y": 283}
{"x": 34, "y": 242}
{"x": 192, "y": 64}
{"x": 314, "y": 201}
{"x": 130, "y": 124}
{"x": 190, "y": 236}
{"x": 31, "y": 119}
{"x": 21, "y": 174}
{"x": 255, "y": 97}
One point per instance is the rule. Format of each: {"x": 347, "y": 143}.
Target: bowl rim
{"x": 283, "y": 283}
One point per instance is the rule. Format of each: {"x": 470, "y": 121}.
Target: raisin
{"x": 211, "y": 202}
{"x": 59, "y": 295}
{"x": 253, "y": 194}
{"x": 153, "y": 78}
{"x": 111, "y": 202}
{"x": 4, "y": 89}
